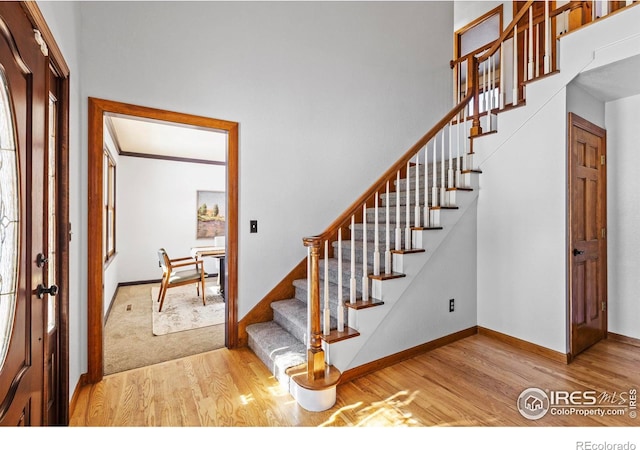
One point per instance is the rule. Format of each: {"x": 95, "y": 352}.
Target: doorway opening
{"x": 98, "y": 110}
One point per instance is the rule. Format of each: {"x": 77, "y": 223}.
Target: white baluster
{"x": 434, "y": 188}
{"x": 501, "y": 95}
{"x": 450, "y": 170}
{"x": 458, "y": 179}
{"x": 407, "y": 229}
{"x": 515, "y": 65}
{"x": 525, "y": 59}
{"x": 327, "y": 313}
{"x": 340, "y": 312}
{"x": 376, "y": 246}
{"x": 352, "y": 286}
{"x": 487, "y": 91}
{"x": 443, "y": 190}
{"x": 365, "y": 268}
{"x": 494, "y": 90}
{"x": 530, "y": 47}
{"x": 537, "y": 63}
{"x": 426, "y": 218}
{"x": 547, "y": 39}
{"x": 416, "y": 219}
{"x": 398, "y": 229}
{"x": 387, "y": 251}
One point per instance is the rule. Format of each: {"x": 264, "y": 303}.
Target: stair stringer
{"x": 399, "y": 295}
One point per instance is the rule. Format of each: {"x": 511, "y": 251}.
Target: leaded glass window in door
{"x": 9, "y": 218}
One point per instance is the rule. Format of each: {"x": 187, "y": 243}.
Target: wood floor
{"x": 472, "y": 382}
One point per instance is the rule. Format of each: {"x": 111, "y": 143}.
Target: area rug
{"x": 183, "y": 309}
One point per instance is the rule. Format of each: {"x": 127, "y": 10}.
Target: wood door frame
{"x": 97, "y": 108}
{"x": 575, "y": 120}
{"x": 61, "y": 70}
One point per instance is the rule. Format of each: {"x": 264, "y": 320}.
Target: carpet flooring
{"x": 129, "y": 341}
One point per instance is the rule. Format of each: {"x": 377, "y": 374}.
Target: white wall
{"x": 582, "y": 103}
{"x": 156, "y": 207}
{"x": 522, "y": 229}
{"x": 623, "y": 215}
{"x": 322, "y": 90}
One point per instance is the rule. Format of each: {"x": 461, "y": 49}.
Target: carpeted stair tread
{"x": 276, "y": 347}
{"x": 292, "y": 316}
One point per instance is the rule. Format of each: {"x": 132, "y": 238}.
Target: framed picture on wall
{"x": 211, "y": 211}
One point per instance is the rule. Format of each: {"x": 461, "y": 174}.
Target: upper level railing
{"x": 526, "y": 50}
{"x": 486, "y": 81}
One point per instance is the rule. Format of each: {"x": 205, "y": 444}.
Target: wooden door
{"x": 587, "y": 251}
{"x": 23, "y": 72}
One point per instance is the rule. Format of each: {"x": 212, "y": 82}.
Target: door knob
{"x": 41, "y": 290}
{"x": 577, "y": 252}
{"x": 41, "y": 260}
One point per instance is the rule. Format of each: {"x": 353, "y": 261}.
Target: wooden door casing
{"x": 587, "y": 250}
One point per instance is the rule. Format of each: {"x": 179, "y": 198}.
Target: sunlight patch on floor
{"x": 390, "y": 412}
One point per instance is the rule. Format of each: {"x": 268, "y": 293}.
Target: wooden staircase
{"x": 359, "y": 269}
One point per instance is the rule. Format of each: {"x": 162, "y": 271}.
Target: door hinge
{"x": 604, "y": 306}
{"x": 602, "y": 159}
{"x": 604, "y": 233}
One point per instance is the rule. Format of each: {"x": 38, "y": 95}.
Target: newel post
{"x": 315, "y": 354}
{"x": 473, "y": 77}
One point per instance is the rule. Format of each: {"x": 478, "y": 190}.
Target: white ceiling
{"x": 613, "y": 81}
{"x": 155, "y": 138}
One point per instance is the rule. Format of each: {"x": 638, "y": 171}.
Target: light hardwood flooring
{"x": 474, "y": 382}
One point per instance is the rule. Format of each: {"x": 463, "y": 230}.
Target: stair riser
{"x": 346, "y": 259}
{"x": 358, "y": 234}
{"x": 412, "y": 168}
{"x": 301, "y": 290}
{"x": 382, "y": 215}
{"x": 393, "y": 199}
{"x": 301, "y": 294}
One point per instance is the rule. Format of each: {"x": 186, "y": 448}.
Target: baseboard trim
{"x": 82, "y": 382}
{"x": 525, "y": 345}
{"x": 390, "y": 360}
{"x": 111, "y": 302}
{"x": 624, "y": 339}
{"x": 134, "y": 283}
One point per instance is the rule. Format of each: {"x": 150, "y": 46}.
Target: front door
{"x": 587, "y": 252}
{"x": 23, "y": 105}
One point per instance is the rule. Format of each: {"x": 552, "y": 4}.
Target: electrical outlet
{"x": 452, "y": 305}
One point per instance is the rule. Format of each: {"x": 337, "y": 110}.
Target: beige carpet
{"x": 183, "y": 309}
{"x": 129, "y": 341}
